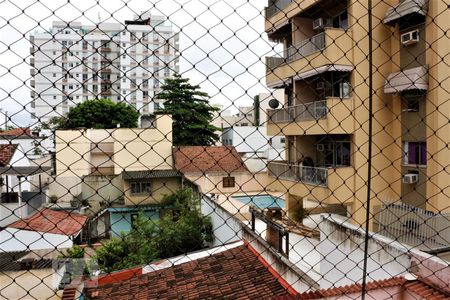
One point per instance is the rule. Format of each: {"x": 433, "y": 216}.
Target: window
{"x": 9, "y": 198}
{"x": 336, "y": 153}
{"x": 415, "y": 153}
{"x": 54, "y": 97}
{"x": 141, "y": 187}
{"x": 228, "y": 182}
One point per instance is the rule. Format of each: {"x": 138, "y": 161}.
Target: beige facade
{"x": 107, "y": 153}
{"x": 159, "y": 188}
{"x": 111, "y": 151}
{"x": 324, "y": 70}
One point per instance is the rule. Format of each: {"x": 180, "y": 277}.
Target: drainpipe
{"x": 19, "y": 178}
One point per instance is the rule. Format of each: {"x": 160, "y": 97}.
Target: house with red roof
{"x": 45, "y": 229}
{"x": 233, "y": 271}
{"x": 32, "y": 144}
{"x": 216, "y": 169}
{"x": 13, "y": 182}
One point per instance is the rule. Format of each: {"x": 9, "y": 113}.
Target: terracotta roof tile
{"x": 52, "y": 221}
{"x": 416, "y": 287}
{"x": 6, "y": 153}
{"x": 236, "y": 273}
{"x": 199, "y": 159}
{"x": 16, "y": 132}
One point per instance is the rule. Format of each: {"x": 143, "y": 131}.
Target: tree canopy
{"x": 98, "y": 114}
{"x": 191, "y": 112}
{"x": 184, "y": 229}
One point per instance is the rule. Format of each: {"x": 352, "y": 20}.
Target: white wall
{"x": 226, "y": 229}
{"x": 10, "y": 212}
{"x": 342, "y": 248}
{"x": 12, "y": 239}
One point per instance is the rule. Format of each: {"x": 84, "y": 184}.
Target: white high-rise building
{"x": 72, "y": 62}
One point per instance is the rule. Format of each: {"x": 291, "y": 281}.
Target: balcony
{"x": 330, "y": 116}
{"x": 279, "y": 12}
{"x": 102, "y": 171}
{"x": 105, "y": 49}
{"x": 309, "y": 175}
{"x": 105, "y": 148}
{"x": 329, "y": 48}
{"x": 334, "y": 185}
{"x": 106, "y": 93}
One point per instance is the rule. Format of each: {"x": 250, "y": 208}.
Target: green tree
{"x": 191, "y": 112}
{"x": 97, "y": 114}
{"x": 183, "y": 229}
{"x": 186, "y": 229}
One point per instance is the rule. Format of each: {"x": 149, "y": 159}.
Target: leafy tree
{"x": 97, "y": 114}
{"x": 191, "y": 112}
{"x": 74, "y": 252}
{"x": 184, "y": 229}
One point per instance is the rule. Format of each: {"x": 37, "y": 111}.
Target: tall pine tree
{"x": 191, "y": 112}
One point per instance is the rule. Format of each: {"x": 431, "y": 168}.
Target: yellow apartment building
{"x": 324, "y": 71}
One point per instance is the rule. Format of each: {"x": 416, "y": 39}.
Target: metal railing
{"x": 414, "y": 226}
{"x": 276, "y": 7}
{"x": 303, "y": 112}
{"x": 309, "y": 175}
{"x": 306, "y": 47}
{"x": 301, "y": 50}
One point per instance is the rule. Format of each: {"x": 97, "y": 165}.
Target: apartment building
{"x": 73, "y": 62}
{"x": 324, "y": 70}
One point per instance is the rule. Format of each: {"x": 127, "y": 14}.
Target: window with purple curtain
{"x": 417, "y": 153}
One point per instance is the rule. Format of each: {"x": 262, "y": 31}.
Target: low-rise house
{"x": 16, "y": 198}
{"x": 106, "y": 153}
{"x": 216, "y": 169}
{"x": 30, "y": 274}
{"x": 32, "y": 144}
{"x": 45, "y": 229}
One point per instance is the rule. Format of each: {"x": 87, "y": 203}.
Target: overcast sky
{"x": 222, "y": 43}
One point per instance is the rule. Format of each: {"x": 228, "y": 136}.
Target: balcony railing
{"x": 276, "y": 7}
{"x": 304, "y": 112}
{"x": 302, "y": 49}
{"x": 309, "y": 175}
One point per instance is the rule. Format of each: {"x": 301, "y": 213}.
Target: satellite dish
{"x": 273, "y": 103}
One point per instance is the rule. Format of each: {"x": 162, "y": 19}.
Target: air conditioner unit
{"x": 320, "y": 147}
{"x": 410, "y": 178}
{"x": 318, "y": 23}
{"x": 320, "y": 85}
{"x": 410, "y": 37}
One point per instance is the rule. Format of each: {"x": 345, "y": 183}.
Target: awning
{"x": 130, "y": 175}
{"x": 404, "y": 8}
{"x": 323, "y": 69}
{"x": 278, "y": 26}
{"x": 24, "y": 170}
{"x": 279, "y": 84}
{"x": 410, "y": 79}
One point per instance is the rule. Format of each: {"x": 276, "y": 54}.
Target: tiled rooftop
{"x": 236, "y": 273}
{"x": 52, "y": 221}
{"x": 199, "y": 159}
{"x": 6, "y": 153}
{"x": 417, "y": 289}
{"x": 16, "y": 132}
